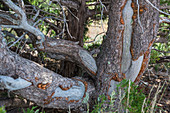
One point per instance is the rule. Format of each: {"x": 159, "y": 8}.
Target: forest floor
{"x": 152, "y": 79}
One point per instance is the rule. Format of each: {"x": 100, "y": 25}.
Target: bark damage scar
{"x": 43, "y": 86}
{"x": 51, "y": 98}
{"x": 145, "y": 62}
{"x": 65, "y": 88}
{"x": 86, "y": 86}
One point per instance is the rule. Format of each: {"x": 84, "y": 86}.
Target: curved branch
{"x": 44, "y": 87}
{"x": 68, "y": 50}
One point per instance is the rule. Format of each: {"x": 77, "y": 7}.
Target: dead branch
{"x": 68, "y": 50}
{"x": 23, "y": 22}
{"x": 163, "y": 59}
{"x": 165, "y": 7}
{"x": 164, "y": 20}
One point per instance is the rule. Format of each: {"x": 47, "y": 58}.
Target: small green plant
{"x": 2, "y": 109}
{"x": 132, "y": 100}
{"x": 99, "y": 107}
{"x": 134, "y": 97}
{"x": 32, "y": 110}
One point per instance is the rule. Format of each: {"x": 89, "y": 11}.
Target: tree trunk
{"x": 126, "y": 49}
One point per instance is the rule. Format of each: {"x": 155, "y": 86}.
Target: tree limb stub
{"x": 70, "y": 51}
{"x": 42, "y": 86}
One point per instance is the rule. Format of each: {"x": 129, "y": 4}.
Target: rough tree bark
{"x": 124, "y": 54}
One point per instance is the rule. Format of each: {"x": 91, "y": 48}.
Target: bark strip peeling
{"x": 141, "y": 42}
{"x": 127, "y": 17}
{"x": 144, "y": 62}
{"x": 129, "y": 67}
{"x": 13, "y": 84}
{"x": 73, "y": 94}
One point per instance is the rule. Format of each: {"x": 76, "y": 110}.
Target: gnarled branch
{"x": 69, "y": 50}
{"x": 44, "y": 87}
